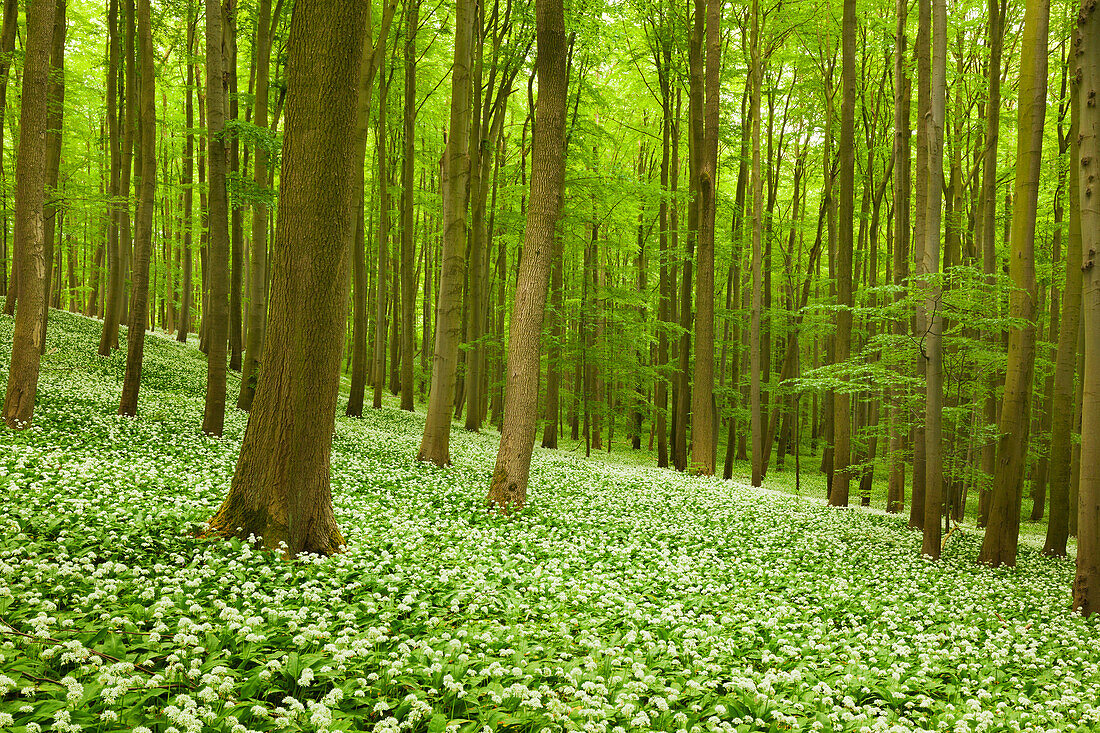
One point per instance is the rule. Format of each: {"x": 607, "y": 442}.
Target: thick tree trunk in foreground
{"x": 281, "y": 490}
{"x": 55, "y": 122}
{"x": 30, "y": 196}
{"x": 508, "y": 489}
{"x": 933, "y": 406}
{"x": 217, "y": 275}
{"x": 257, "y": 270}
{"x": 1086, "y": 585}
{"x": 435, "y": 446}
{"x": 143, "y": 242}
{"x": 1003, "y": 530}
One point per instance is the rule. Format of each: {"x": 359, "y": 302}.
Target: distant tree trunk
{"x": 838, "y": 490}
{"x": 7, "y": 46}
{"x": 1063, "y": 404}
{"x": 663, "y": 62}
{"x": 933, "y": 415}
{"x": 217, "y": 304}
{"x": 143, "y": 241}
{"x": 921, "y": 50}
{"x": 508, "y": 489}
{"x": 52, "y": 213}
{"x": 30, "y": 196}
{"x": 435, "y": 446}
{"x": 895, "y": 498}
{"x": 257, "y": 272}
{"x": 236, "y": 214}
{"x": 382, "y": 280}
{"x": 280, "y": 491}
{"x": 554, "y": 355}
{"x": 1003, "y": 530}
{"x": 1086, "y": 585}
{"x": 408, "y": 206}
{"x": 187, "y": 182}
{"x": 108, "y": 339}
{"x": 756, "y": 426}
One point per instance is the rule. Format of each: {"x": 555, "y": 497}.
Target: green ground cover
{"x": 625, "y": 598}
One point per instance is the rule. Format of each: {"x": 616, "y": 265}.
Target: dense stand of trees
{"x": 766, "y": 229}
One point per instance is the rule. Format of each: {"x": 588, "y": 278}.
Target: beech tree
{"x": 30, "y": 198}
{"x": 281, "y": 492}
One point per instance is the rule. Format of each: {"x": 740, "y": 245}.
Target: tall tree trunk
{"x": 1063, "y": 404}
{"x": 756, "y": 426}
{"x": 7, "y": 46}
{"x": 933, "y": 414}
{"x": 554, "y": 356}
{"x": 187, "y": 183}
{"x": 108, "y": 339}
{"x": 257, "y": 270}
{"x": 987, "y": 226}
{"x": 236, "y": 214}
{"x": 1086, "y": 584}
{"x": 408, "y": 206}
{"x": 435, "y": 445}
{"x": 281, "y": 491}
{"x": 30, "y": 195}
{"x": 217, "y": 304}
{"x": 1003, "y": 530}
{"x": 838, "y": 491}
{"x": 895, "y": 499}
{"x": 382, "y": 280}
{"x": 143, "y": 242}
{"x": 508, "y": 489}
{"x": 52, "y": 213}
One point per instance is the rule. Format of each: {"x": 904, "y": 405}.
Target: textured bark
{"x": 933, "y": 406}
{"x": 508, "y": 489}
{"x": 257, "y": 265}
{"x": 143, "y": 242}
{"x": 1063, "y": 404}
{"x": 30, "y": 194}
{"x": 842, "y": 428}
{"x": 382, "y": 279}
{"x": 1086, "y": 584}
{"x": 704, "y": 436}
{"x": 1002, "y": 531}
{"x": 216, "y": 306}
{"x": 236, "y": 214}
{"x": 435, "y": 445}
{"x": 281, "y": 491}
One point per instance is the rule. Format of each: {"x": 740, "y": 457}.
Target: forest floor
{"x": 624, "y": 598}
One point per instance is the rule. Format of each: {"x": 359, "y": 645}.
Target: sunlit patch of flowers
{"x": 623, "y": 599}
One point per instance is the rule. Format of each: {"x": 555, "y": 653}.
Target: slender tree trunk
{"x": 217, "y": 305}
{"x": 257, "y": 271}
{"x": 895, "y": 499}
{"x": 508, "y": 489}
{"x": 52, "y": 215}
{"x": 30, "y": 195}
{"x": 382, "y": 280}
{"x": 838, "y": 492}
{"x": 435, "y": 446}
{"x": 1063, "y": 404}
{"x": 1003, "y": 529}
{"x": 236, "y": 214}
{"x": 408, "y": 206}
{"x": 7, "y": 46}
{"x": 143, "y": 242}
{"x": 756, "y": 427}
{"x": 187, "y": 182}
{"x": 554, "y": 355}
{"x": 108, "y": 340}
{"x": 933, "y": 416}
{"x": 281, "y": 491}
